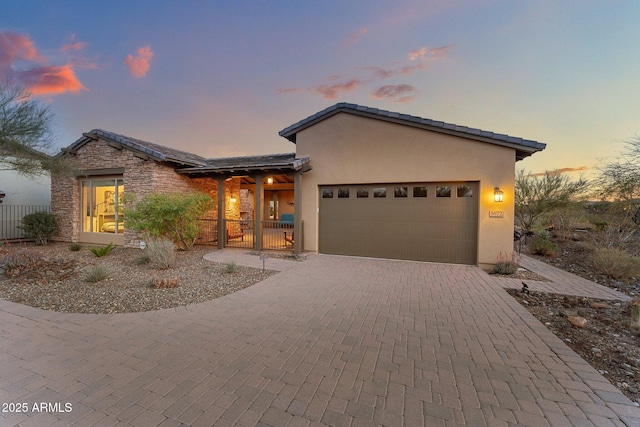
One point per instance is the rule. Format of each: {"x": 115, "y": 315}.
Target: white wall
{"x": 20, "y": 190}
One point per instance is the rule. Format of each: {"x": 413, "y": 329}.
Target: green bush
{"x": 230, "y": 267}
{"x": 75, "y": 247}
{"x": 101, "y": 251}
{"x": 174, "y": 216}
{"x": 541, "y": 245}
{"x": 161, "y": 252}
{"x": 505, "y": 266}
{"x": 615, "y": 263}
{"x": 40, "y": 226}
{"x": 96, "y": 274}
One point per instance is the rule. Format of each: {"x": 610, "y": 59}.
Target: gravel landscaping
{"x": 55, "y": 278}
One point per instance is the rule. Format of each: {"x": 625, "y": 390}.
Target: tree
{"x": 25, "y": 133}
{"x": 174, "y": 216}
{"x": 619, "y": 180}
{"x": 538, "y": 196}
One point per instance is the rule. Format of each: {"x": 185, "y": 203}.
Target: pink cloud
{"x": 289, "y": 90}
{"x": 354, "y": 37}
{"x": 49, "y": 80}
{"x": 332, "y": 91}
{"x": 139, "y": 64}
{"x": 431, "y": 54}
{"x": 21, "y": 63}
{"x": 16, "y": 47}
{"x": 73, "y": 45}
{"x": 560, "y": 171}
{"x": 417, "y": 54}
{"x": 396, "y": 93}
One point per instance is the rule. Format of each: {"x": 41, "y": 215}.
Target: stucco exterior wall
{"x": 22, "y": 190}
{"x": 141, "y": 177}
{"x": 350, "y": 149}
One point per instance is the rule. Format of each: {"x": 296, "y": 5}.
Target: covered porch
{"x": 259, "y": 204}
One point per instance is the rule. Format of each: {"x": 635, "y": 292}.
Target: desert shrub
{"x": 161, "y": 252}
{"x": 101, "y": 251}
{"x": 615, "y": 263}
{"x": 40, "y": 226}
{"x": 614, "y": 235}
{"x": 174, "y": 216}
{"x": 17, "y": 261}
{"x": 96, "y": 274}
{"x": 542, "y": 245}
{"x": 230, "y": 267}
{"x": 505, "y": 265}
{"x": 143, "y": 259}
{"x": 75, "y": 247}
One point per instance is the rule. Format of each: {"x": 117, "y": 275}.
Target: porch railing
{"x": 208, "y": 233}
{"x": 11, "y": 219}
{"x": 240, "y": 233}
{"x": 277, "y": 235}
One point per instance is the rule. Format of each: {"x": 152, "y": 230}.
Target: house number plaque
{"x": 496, "y": 214}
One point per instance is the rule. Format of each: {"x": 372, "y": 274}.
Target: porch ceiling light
{"x": 498, "y": 195}
{"x": 270, "y": 180}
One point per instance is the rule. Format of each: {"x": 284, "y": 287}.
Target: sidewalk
{"x": 560, "y": 282}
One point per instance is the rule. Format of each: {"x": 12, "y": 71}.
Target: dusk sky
{"x": 221, "y": 78}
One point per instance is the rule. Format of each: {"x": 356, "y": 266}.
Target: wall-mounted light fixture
{"x": 498, "y": 195}
{"x": 270, "y": 180}
{"x": 233, "y": 199}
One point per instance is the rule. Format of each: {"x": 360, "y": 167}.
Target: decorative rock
{"x": 599, "y": 305}
{"x": 578, "y": 321}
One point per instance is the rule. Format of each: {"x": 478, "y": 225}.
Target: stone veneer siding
{"x": 141, "y": 177}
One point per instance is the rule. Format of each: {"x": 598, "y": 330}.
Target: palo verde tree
{"x": 619, "y": 180}
{"x": 537, "y": 196}
{"x": 26, "y": 137}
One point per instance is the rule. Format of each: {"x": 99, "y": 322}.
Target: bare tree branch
{"x": 26, "y": 138}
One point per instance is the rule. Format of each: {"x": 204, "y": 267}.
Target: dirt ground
{"x": 608, "y": 341}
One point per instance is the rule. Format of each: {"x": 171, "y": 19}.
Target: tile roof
{"x": 193, "y": 164}
{"x": 155, "y": 151}
{"x": 267, "y": 162}
{"x": 523, "y": 147}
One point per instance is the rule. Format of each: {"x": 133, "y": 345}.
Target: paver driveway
{"x": 334, "y": 341}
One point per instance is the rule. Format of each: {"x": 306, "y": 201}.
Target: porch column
{"x": 258, "y": 211}
{"x": 297, "y": 213}
{"x": 222, "y": 232}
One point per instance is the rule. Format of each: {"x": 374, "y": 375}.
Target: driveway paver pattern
{"x": 335, "y": 341}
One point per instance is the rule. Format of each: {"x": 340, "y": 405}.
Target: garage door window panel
{"x": 343, "y": 193}
{"x": 443, "y": 191}
{"x": 419, "y": 192}
{"x": 362, "y": 193}
{"x": 379, "y": 192}
{"x": 400, "y": 192}
{"x": 327, "y": 193}
{"x": 464, "y": 191}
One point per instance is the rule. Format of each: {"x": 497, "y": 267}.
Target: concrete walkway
{"x": 335, "y": 341}
{"x": 560, "y": 282}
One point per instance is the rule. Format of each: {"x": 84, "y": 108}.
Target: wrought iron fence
{"x": 208, "y": 233}
{"x": 11, "y": 219}
{"x": 239, "y": 233}
{"x": 277, "y": 235}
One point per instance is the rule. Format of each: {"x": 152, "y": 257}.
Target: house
{"x": 19, "y": 196}
{"x": 362, "y": 182}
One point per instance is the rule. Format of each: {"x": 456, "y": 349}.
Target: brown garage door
{"x": 422, "y": 221}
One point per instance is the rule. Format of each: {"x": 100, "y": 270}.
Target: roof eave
{"x": 524, "y": 149}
